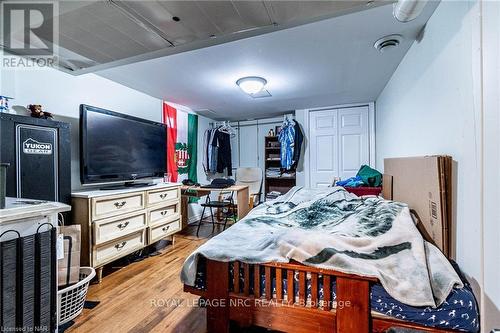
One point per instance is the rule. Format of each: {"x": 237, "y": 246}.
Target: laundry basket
{"x": 70, "y": 300}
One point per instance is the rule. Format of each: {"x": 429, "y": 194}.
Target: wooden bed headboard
{"x": 425, "y": 184}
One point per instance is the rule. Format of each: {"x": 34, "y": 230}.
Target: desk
{"x": 242, "y": 196}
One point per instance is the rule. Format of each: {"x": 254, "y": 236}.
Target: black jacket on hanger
{"x": 298, "y": 139}
{"x": 224, "y": 152}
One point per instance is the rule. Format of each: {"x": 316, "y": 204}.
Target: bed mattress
{"x": 458, "y": 312}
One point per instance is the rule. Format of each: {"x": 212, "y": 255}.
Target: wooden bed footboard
{"x": 244, "y": 305}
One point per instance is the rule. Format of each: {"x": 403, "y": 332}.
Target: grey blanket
{"x": 333, "y": 229}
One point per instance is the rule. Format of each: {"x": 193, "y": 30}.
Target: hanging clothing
{"x": 207, "y": 149}
{"x": 298, "y": 139}
{"x": 217, "y": 152}
{"x": 287, "y": 141}
{"x": 213, "y": 151}
{"x": 206, "y": 140}
{"x": 224, "y": 153}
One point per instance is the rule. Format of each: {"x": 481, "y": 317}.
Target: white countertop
{"x": 17, "y": 208}
{"x": 100, "y": 193}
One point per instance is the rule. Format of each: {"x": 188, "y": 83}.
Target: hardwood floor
{"x": 147, "y": 296}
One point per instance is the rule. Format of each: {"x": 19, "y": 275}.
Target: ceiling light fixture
{"x": 251, "y": 84}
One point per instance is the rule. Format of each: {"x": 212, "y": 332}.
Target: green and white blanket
{"x": 333, "y": 229}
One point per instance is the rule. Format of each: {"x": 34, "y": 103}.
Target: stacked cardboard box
{"x": 425, "y": 184}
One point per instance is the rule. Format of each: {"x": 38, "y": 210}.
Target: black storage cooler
{"x": 39, "y": 154}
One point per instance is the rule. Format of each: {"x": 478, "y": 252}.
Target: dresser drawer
{"x": 107, "y": 207}
{"x": 109, "y": 229}
{"x": 161, "y": 196}
{"x": 158, "y": 232}
{"x": 118, "y": 248}
{"x": 167, "y": 213}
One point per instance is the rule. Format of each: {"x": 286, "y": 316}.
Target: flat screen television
{"x": 119, "y": 148}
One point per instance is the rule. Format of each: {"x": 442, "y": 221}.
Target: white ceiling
{"x": 96, "y": 34}
{"x": 324, "y": 63}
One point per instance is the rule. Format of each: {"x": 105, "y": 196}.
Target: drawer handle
{"x": 119, "y": 246}
{"x": 163, "y": 213}
{"x": 165, "y": 228}
{"x": 163, "y": 195}
{"x": 119, "y": 205}
{"x": 122, "y": 226}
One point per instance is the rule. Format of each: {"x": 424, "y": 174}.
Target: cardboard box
{"x": 424, "y": 183}
{"x": 68, "y": 268}
{"x": 387, "y": 186}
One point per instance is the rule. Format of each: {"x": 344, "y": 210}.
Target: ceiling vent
{"x": 388, "y": 43}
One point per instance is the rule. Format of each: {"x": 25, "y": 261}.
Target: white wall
{"x": 62, "y": 94}
{"x": 433, "y": 105}
{"x": 491, "y": 163}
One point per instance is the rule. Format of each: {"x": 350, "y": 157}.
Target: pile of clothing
{"x": 273, "y": 172}
{"x": 366, "y": 176}
{"x": 272, "y": 195}
{"x": 351, "y": 182}
{"x": 217, "y": 151}
{"x": 290, "y": 138}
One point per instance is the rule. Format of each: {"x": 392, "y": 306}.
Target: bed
{"x": 246, "y": 275}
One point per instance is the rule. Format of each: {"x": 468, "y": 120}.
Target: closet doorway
{"x": 248, "y": 149}
{"x": 339, "y": 143}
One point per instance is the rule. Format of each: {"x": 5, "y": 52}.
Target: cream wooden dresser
{"x": 115, "y": 223}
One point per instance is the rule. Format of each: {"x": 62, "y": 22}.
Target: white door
{"x": 235, "y": 148}
{"x": 339, "y": 144}
{"x": 353, "y": 140}
{"x": 249, "y": 153}
{"x": 323, "y": 144}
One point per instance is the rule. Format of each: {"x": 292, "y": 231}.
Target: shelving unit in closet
{"x": 276, "y": 179}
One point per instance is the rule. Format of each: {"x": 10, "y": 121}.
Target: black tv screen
{"x": 116, "y": 147}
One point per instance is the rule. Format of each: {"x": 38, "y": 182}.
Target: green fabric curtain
{"x": 193, "y": 150}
